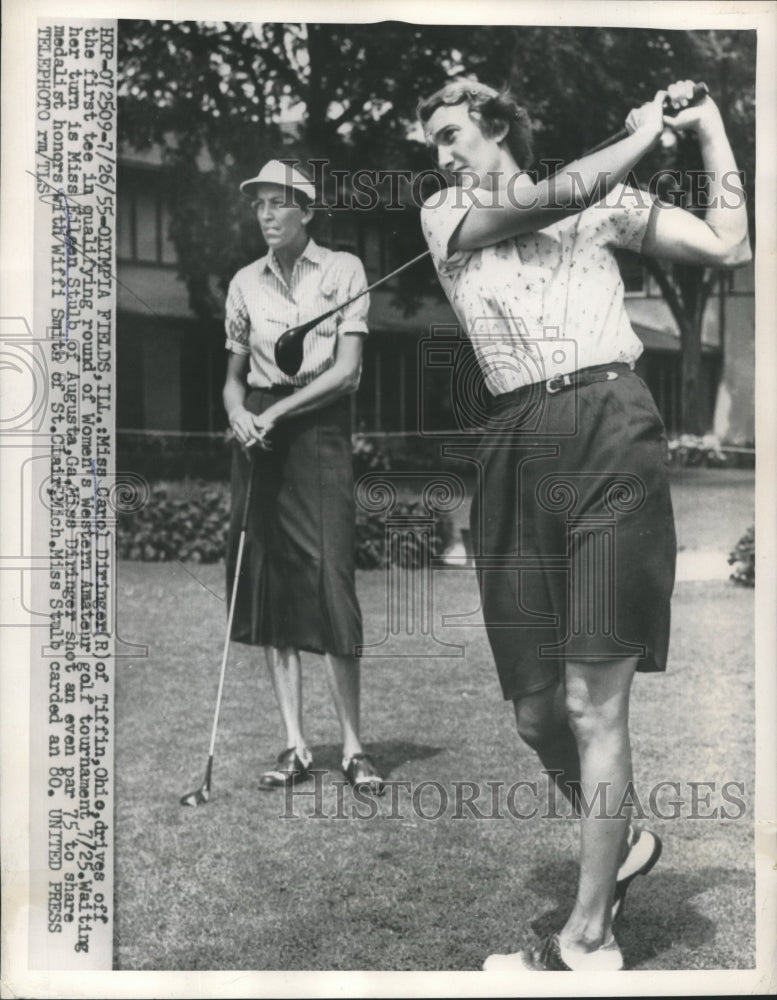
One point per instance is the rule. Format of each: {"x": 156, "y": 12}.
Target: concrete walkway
{"x": 692, "y": 564}
{"x": 703, "y": 564}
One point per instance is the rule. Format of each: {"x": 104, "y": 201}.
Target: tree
{"x": 228, "y": 90}
{"x": 727, "y": 64}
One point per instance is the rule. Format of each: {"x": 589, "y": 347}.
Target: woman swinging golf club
{"x": 296, "y": 589}
{"x": 573, "y": 454}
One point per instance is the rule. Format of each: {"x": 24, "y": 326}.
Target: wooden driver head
{"x": 290, "y": 346}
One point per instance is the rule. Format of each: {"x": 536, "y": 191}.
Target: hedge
{"x": 192, "y": 526}
{"x": 743, "y": 559}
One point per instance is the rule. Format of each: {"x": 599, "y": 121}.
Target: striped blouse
{"x": 260, "y": 306}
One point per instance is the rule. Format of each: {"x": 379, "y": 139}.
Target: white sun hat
{"x": 285, "y": 174}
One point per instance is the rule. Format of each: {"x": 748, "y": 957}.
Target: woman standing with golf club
{"x": 573, "y": 454}
{"x": 296, "y": 586}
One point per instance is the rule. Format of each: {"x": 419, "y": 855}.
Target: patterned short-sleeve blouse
{"x": 544, "y": 304}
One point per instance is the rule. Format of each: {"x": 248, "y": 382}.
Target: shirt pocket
{"x": 269, "y": 326}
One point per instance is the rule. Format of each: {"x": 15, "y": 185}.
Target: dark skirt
{"x": 296, "y": 586}
{"x": 573, "y": 531}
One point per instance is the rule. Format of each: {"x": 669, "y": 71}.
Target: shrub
{"x": 691, "y": 450}
{"x": 743, "y": 559}
{"x": 367, "y": 456}
{"x": 193, "y": 527}
{"x": 414, "y": 548}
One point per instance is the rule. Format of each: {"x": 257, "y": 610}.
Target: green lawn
{"x": 236, "y": 886}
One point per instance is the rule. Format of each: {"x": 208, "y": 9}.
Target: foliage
{"x": 188, "y": 529}
{"x": 743, "y": 559}
{"x": 190, "y": 525}
{"x": 411, "y": 550}
{"x": 695, "y": 450}
{"x": 367, "y": 456}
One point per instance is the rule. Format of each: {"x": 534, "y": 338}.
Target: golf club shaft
{"x": 232, "y": 601}
{"x": 380, "y": 281}
{"x": 609, "y": 141}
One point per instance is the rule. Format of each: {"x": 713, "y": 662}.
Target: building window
{"x": 143, "y": 222}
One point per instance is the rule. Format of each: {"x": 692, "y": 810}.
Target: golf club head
{"x": 198, "y": 798}
{"x": 290, "y": 346}
{"x": 201, "y": 796}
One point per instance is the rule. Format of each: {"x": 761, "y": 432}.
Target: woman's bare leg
{"x": 285, "y": 672}
{"x": 343, "y": 675}
{"x": 597, "y": 698}
{"x": 543, "y": 725}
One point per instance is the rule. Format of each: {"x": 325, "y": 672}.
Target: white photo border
{"x": 18, "y": 91}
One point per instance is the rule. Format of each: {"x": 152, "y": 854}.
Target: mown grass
{"x": 236, "y": 886}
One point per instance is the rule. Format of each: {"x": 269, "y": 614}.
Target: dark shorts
{"x": 573, "y": 530}
{"x": 296, "y": 584}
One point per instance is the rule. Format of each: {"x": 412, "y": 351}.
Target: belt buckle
{"x": 562, "y": 380}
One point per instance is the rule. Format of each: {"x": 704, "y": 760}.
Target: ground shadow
{"x": 389, "y": 755}
{"x": 659, "y": 914}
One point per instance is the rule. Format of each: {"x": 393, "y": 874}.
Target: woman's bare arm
{"x": 720, "y": 239}
{"x": 523, "y": 207}
{"x": 341, "y": 379}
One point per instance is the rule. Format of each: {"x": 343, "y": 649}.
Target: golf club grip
{"x": 700, "y": 90}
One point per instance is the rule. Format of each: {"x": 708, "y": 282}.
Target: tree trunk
{"x": 692, "y": 418}
{"x": 317, "y": 94}
{"x": 686, "y": 292}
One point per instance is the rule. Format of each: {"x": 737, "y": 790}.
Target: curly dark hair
{"x": 495, "y": 108}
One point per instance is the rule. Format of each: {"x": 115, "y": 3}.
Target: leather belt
{"x": 558, "y": 383}
{"x": 580, "y": 378}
